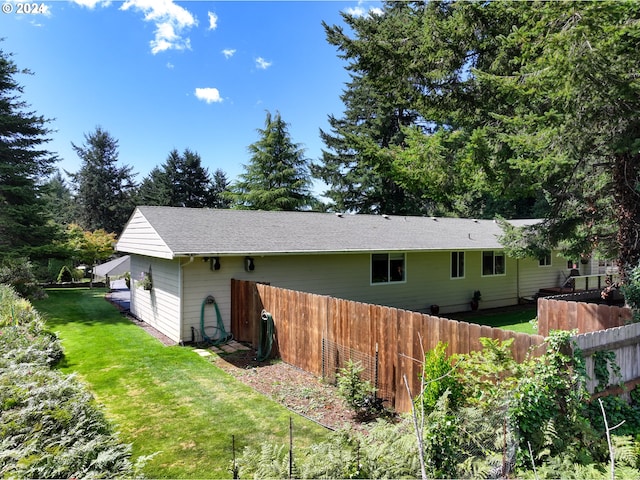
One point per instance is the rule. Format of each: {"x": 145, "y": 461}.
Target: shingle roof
{"x": 196, "y": 231}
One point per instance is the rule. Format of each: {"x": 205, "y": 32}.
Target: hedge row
{"x": 50, "y": 425}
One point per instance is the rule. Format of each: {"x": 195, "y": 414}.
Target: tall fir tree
{"x": 104, "y": 190}
{"x": 154, "y": 189}
{"x": 188, "y": 180}
{"x": 520, "y": 109}
{"x": 277, "y": 176}
{"x": 25, "y": 229}
{"x": 219, "y": 188}
{"x": 537, "y": 107}
{"x": 355, "y": 164}
{"x": 59, "y": 199}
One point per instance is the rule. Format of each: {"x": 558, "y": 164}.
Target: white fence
{"x": 623, "y": 341}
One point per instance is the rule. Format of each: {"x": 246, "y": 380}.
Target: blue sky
{"x": 162, "y": 74}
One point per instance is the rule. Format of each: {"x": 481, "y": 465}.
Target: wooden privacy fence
{"x": 624, "y": 342}
{"x": 398, "y": 338}
{"x": 565, "y": 313}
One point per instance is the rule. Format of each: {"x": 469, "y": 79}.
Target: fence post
{"x": 375, "y": 371}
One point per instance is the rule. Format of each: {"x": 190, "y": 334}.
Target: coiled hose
{"x": 265, "y": 341}
{"x": 220, "y": 335}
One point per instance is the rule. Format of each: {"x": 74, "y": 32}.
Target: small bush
{"x": 631, "y": 292}
{"x": 359, "y": 394}
{"x": 438, "y": 377}
{"x": 65, "y": 275}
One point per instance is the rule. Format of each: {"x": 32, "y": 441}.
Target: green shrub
{"x": 359, "y": 394}
{"x": 18, "y": 272}
{"x": 65, "y": 275}
{"x": 268, "y": 461}
{"x": 54, "y": 266}
{"x": 50, "y": 426}
{"x": 439, "y": 377}
{"x": 631, "y": 291}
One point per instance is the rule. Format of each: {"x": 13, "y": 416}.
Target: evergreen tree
{"x": 24, "y": 163}
{"x": 219, "y": 187}
{"x": 104, "y": 191}
{"x": 155, "y": 189}
{"x": 277, "y": 176}
{"x": 59, "y": 199}
{"x": 188, "y": 180}
{"x": 377, "y": 103}
{"x": 542, "y": 103}
{"x": 520, "y": 109}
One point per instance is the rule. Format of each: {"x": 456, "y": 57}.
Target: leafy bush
{"x": 50, "y": 426}
{"x": 359, "y": 394}
{"x": 438, "y": 377}
{"x": 504, "y": 407}
{"x": 65, "y": 275}
{"x": 631, "y": 291}
{"x": 268, "y": 461}
{"x": 18, "y": 272}
{"x": 553, "y": 395}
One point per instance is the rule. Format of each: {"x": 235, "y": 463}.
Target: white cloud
{"x": 359, "y": 11}
{"x": 170, "y": 65}
{"x": 262, "y": 64}
{"x": 355, "y": 11}
{"x": 208, "y": 94}
{"x": 92, "y": 3}
{"x": 228, "y": 52}
{"x": 213, "y": 20}
{"x": 171, "y": 21}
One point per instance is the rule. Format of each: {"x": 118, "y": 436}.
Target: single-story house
{"x": 183, "y": 255}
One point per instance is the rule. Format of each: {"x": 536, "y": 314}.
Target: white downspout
{"x": 181, "y": 290}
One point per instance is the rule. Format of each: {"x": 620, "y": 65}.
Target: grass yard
{"x": 517, "y": 318}
{"x": 164, "y": 399}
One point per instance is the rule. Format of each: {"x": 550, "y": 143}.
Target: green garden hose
{"x": 265, "y": 341}
{"x": 220, "y": 336}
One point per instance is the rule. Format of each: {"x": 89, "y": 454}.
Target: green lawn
{"x": 516, "y": 318}
{"x": 164, "y": 399}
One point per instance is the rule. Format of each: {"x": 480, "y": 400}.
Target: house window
{"x": 545, "y": 260}
{"x": 387, "y": 267}
{"x": 457, "y": 264}
{"x": 493, "y": 263}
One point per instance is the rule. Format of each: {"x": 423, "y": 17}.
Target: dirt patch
{"x": 290, "y": 386}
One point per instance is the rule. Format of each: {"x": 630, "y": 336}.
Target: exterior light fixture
{"x": 214, "y": 263}
{"x": 249, "y": 266}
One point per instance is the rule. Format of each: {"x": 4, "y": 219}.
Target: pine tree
{"x": 356, "y": 166}
{"x": 219, "y": 187}
{"x": 24, "y": 163}
{"x": 188, "y": 180}
{"x": 277, "y": 177}
{"x": 59, "y": 199}
{"x": 104, "y": 191}
{"x": 154, "y": 189}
